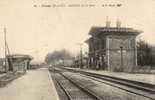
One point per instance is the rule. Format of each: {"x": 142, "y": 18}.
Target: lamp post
{"x": 81, "y": 55}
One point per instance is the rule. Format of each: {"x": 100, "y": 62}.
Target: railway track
{"x": 73, "y": 90}
{"x": 144, "y": 87}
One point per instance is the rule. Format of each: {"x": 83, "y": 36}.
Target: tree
{"x": 144, "y": 53}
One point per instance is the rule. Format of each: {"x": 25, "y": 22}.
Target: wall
{"x": 121, "y": 60}
{"x": 20, "y": 66}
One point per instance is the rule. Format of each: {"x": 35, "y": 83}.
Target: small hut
{"x": 18, "y": 62}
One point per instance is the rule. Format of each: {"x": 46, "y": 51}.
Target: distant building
{"x": 18, "y": 62}
{"x": 112, "y": 48}
{"x": 68, "y": 62}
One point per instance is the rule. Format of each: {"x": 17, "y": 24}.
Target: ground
{"x": 34, "y": 85}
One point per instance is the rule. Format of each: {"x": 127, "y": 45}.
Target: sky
{"x": 39, "y": 30}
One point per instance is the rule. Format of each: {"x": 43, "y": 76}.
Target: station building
{"x": 112, "y": 48}
{"x": 18, "y": 62}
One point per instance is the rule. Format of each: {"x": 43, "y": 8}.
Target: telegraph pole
{"x": 81, "y": 56}
{"x": 5, "y": 49}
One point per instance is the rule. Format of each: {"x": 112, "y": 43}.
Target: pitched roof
{"x": 20, "y": 56}
{"x": 106, "y": 30}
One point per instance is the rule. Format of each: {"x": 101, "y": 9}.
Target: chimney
{"x": 107, "y": 22}
{"x": 118, "y": 23}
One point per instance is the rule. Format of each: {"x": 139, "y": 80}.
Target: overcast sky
{"x": 39, "y": 30}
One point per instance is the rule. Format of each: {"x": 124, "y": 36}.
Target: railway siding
{"x": 71, "y": 90}
{"x": 145, "y": 78}
{"x": 105, "y": 90}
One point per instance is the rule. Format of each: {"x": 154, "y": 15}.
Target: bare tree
{"x": 144, "y": 53}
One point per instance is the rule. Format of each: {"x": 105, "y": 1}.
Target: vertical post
{"x": 5, "y": 49}
{"x": 63, "y": 62}
{"x": 81, "y": 56}
{"x": 135, "y": 51}
{"x": 108, "y": 63}
{"x": 25, "y": 65}
{"x": 94, "y": 57}
{"x": 121, "y": 57}
{"x": 94, "y": 54}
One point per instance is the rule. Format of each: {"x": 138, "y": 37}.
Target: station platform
{"x": 146, "y": 78}
{"x": 34, "y": 85}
